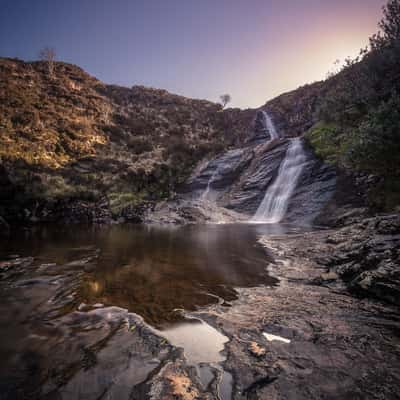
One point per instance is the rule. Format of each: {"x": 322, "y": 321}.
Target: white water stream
{"x": 274, "y": 205}
{"x": 269, "y": 126}
{"x": 206, "y": 194}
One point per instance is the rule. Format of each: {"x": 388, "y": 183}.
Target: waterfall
{"x": 274, "y": 205}
{"x": 269, "y": 126}
{"x": 206, "y": 193}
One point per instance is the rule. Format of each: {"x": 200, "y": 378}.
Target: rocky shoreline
{"x": 329, "y": 330}
{"x": 300, "y": 339}
{"x": 366, "y": 256}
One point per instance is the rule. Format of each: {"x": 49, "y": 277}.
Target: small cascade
{"x": 206, "y": 194}
{"x": 269, "y": 126}
{"x": 274, "y": 205}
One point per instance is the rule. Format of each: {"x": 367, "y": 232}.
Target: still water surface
{"x": 155, "y": 271}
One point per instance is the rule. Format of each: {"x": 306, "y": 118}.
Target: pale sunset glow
{"x": 253, "y": 50}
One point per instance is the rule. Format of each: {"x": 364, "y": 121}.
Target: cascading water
{"x": 206, "y": 194}
{"x": 274, "y": 205}
{"x": 269, "y": 126}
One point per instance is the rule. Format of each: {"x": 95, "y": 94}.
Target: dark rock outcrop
{"x": 261, "y": 133}
{"x": 219, "y": 173}
{"x": 366, "y": 256}
{"x": 238, "y": 180}
{"x": 315, "y": 190}
{"x": 246, "y": 195}
{"x": 294, "y": 112}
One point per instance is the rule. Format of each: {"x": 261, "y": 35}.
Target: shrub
{"x": 120, "y": 200}
{"x": 376, "y": 145}
{"x": 138, "y": 145}
{"x": 327, "y": 141}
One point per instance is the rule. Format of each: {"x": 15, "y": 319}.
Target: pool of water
{"x": 160, "y": 273}
{"x": 154, "y": 271}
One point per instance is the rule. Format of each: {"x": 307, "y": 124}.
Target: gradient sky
{"x": 252, "y": 49}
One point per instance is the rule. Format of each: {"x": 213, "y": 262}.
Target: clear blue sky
{"x": 252, "y": 49}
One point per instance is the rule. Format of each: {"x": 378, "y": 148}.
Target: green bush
{"x": 376, "y": 145}
{"x": 328, "y": 142}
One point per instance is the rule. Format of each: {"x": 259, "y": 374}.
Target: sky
{"x": 252, "y": 49}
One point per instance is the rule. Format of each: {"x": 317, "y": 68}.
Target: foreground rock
{"x": 320, "y": 343}
{"x": 184, "y": 211}
{"x": 366, "y": 255}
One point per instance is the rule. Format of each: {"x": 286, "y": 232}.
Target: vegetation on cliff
{"x": 359, "y": 113}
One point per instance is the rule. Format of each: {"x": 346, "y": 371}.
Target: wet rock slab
{"x": 51, "y": 350}
{"x": 366, "y": 255}
{"x": 303, "y": 340}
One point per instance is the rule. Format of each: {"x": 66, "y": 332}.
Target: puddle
{"x": 272, "y": 338}
{"x": 201, "y": 342}
{"x": 202, "y": 346}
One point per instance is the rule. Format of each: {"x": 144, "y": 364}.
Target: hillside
{"x": 73, "y": 148}
{"x": 69, "y": 140}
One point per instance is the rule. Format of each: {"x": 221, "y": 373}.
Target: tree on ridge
{"x": 225, "y": 99}
{"x": 48, "y": 54}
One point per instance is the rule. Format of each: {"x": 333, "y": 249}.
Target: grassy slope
{"x": 71, "y": 136}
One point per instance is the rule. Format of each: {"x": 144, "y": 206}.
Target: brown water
{"x": 154, "y": 271}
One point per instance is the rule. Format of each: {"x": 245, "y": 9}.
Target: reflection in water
{"x": 202, "y": 346}
{"x": 155, "y": 271}
{"x": 202, "y": 343}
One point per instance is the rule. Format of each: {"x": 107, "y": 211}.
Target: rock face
{"x": 261, "y": 133}
{"x": 238, "y": 180}
{"x": 250, "y": 189}
{"x": 315, "y": 190}
{"x": 366, "y": 256}
{"x": 219, "y": 173}
{"x": 294, "y": 112}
